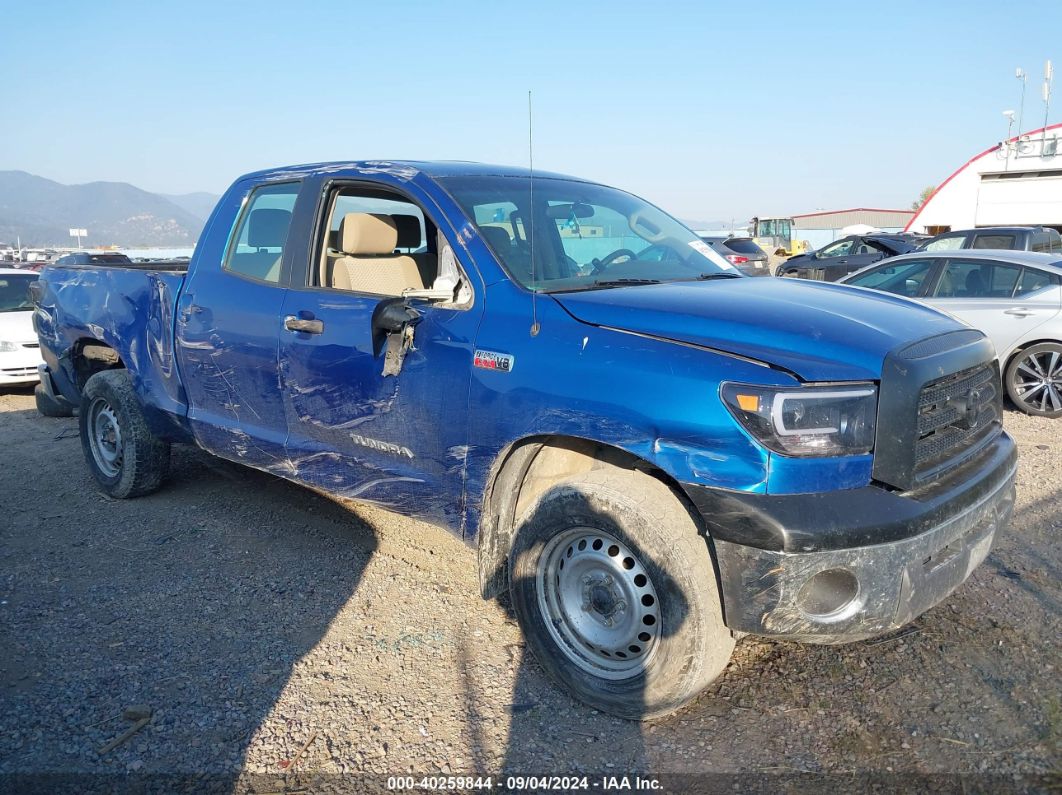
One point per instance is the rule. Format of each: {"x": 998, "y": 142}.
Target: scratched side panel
{"x": 132, "y": 311}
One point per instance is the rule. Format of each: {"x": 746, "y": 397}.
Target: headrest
{"x": 498, "y": 238}
{"x": 367, "y": 233}
{"x": 268, "y": 228}
{"x": 408, "y": 227}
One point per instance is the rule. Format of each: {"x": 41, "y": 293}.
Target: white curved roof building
{"x": 1017, "y": 182}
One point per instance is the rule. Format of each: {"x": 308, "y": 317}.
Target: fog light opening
{"x": 830, "y": 595}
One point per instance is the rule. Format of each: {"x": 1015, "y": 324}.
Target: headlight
{"x": 827, "y": 420}
{"x": 8, "y": 347}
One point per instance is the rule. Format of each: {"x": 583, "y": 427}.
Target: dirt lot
{"x": 253, "y": 617}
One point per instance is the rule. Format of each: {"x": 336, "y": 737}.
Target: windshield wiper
{"x": 622, "y": 282}
{"x": 704, "y": 277}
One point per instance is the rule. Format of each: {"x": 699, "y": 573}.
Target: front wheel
{"x": 616, "y": 593}
{"x": 1034, "y": 379}
{"x": 125, "y": 457}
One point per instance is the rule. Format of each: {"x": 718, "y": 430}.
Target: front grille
{"x": 19, "y": 371}
{"x": 31, "y": 345}
{"x": 957, "y": 414}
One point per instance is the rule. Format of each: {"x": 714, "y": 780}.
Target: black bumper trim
{"x": 866, "y": 516}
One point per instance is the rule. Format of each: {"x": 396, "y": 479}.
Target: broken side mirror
{"x": 393, "y": 315}
{"x": 393, "y": 321}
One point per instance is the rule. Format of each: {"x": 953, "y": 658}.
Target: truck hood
{"x": 819, "y": 331}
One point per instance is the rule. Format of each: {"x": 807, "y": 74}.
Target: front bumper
{"x": 822, "y": 580}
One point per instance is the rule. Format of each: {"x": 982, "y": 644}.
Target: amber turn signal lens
{"x": 748, "y": 402}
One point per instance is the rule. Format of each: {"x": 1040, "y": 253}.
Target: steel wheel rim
{"x": 105, "y": 437}
{"x": 598, "y": 602}
{"x": 1038, "y": 380}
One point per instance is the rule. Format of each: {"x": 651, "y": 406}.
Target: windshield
{"x": 14, "y": 291}
{"x": 586, "y": 236}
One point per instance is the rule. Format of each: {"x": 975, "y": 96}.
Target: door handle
{"x": 1019, "y": 311}
{"x": 292, "y": 323}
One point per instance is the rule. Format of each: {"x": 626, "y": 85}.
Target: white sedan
{"x": 1014, "y": 297}
{"x": 20, "y": 353}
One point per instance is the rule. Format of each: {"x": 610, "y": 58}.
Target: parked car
{"x": 741, "y": 252}
{"x": 1013, "y": 297}
{"x": 92, "y": 258}
{"x": 651, "y": 456}
{"x": 841, "y": 257}
{"x": 1013, "y": 238}
{"x": 19, "y": 350}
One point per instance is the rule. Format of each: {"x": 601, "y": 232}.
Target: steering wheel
{"x": 604, "y": 262}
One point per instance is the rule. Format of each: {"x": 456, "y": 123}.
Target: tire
{"x": 125, "y": 457}
{"x": 48, "y": 406}
{"x": 635, "y": 628}
{"x": 1034, "y": 379}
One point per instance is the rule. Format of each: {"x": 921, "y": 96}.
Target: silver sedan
{"x": 1014, "y": 297}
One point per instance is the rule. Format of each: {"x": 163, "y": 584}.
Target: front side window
{"x": 257, "y": 248}
{"x": 839, "y": 249}
{"x": 380, "y": 243}
{"x": 583, "y": 236}
{"x": 977, "y": 279}
{"x": 947, "y": 243}
{"x": 903, "y": 278}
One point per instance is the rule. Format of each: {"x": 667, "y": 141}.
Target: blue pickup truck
{"x": 652, "y": 454}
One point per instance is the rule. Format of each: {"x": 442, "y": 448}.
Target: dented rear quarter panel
{"x": 129, "y": 310}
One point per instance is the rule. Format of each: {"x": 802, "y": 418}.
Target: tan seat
{"x": 409, "y": 238}
{"x": 369, "y": 264}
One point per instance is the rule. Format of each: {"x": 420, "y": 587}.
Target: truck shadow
{"x": 198, "y": 613}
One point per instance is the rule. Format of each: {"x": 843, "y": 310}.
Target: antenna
{"x": 1020, "y": 74}
{"x": 1049, "y": 76}
{"x": 535, "y": 327}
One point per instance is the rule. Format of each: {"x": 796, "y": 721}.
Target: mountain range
{"x": 39, "y": 212}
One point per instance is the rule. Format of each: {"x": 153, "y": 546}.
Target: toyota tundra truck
{"x": 652, "y": 454}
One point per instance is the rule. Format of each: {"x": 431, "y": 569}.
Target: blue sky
{"x": 712, "y": 110}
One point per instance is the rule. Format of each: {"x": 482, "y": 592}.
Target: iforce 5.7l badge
{"x": 489, "y": 360}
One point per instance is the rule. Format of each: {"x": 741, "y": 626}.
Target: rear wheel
{"x": 125, "y": 457}
{"x": 1034, "y": 379}
{"x": 616, "y": 593}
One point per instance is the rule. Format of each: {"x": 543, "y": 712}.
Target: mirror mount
{"x": 430, "y": 295}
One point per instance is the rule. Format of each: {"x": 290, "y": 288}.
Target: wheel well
{"x": 523, "y": 473}
{"x": 1014, "y": 354}
{"x": 90, "y": 356}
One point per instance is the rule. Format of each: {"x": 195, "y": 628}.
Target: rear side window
{"x": 1049, "y": 242}
{"x": 977, "y": 279}
{"x": 1033, "y": 280}
{"x": 993, "y": 241}
{"x": 743, "y": 245}
{"x": 257, "y": 248}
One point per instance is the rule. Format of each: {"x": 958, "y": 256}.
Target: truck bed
{"x": 129, "y": 308}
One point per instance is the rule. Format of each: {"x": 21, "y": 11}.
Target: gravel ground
{"x": 259, "y": 620}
